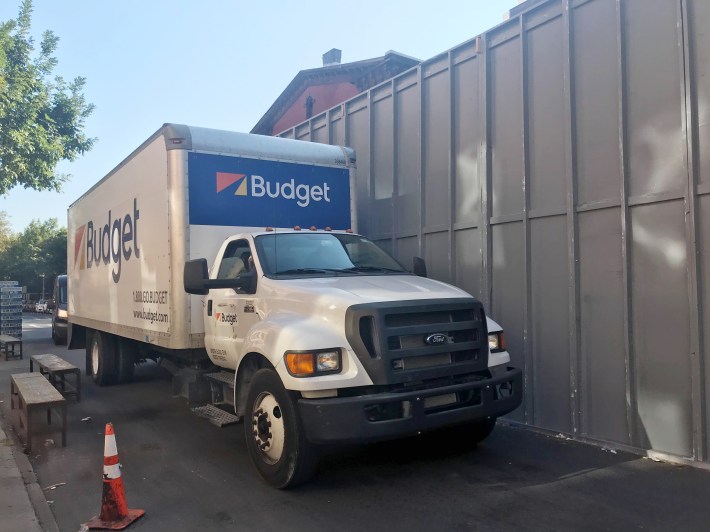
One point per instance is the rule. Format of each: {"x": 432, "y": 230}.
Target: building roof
{"x": 363, "y": 74}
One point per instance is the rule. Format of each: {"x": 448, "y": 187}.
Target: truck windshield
{"x": 61, "y": 296}
{"x": 323, "y": 254}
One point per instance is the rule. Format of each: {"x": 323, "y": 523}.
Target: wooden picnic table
{"x": 56, "y": 370}
{"x": 8, "y": 343}
{"x": 31, "y": 392}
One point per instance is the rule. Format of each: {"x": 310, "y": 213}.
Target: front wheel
{"x": 103, "y": 358}
{"x": 58, "y": 340}
{"x": 275, "y": 438}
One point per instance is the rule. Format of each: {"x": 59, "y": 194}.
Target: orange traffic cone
{"x": 115, "y": 514}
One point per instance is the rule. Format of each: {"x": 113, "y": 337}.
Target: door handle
{"x": 209, "y": 307}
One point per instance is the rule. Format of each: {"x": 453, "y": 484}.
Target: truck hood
{"x": 352, "y": 290}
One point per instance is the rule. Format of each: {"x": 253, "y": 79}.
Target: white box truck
{"x": 231, "y": 259}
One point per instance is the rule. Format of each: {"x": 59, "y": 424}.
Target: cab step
{"x": 215, "y": 415}
{"x": 222, "y": 387}
{"x": 224, "y": 377}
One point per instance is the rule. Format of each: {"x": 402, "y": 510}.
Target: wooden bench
{"x": 30, "y": 393}
{"x": 56, "y": 370}
{"x": 8, "y": 343}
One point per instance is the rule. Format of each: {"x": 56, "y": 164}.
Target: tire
{"x": 58, "y": 340}
{"x": 89, "y": 339}
{"x": 274, "y": 435}
{"x": 103, "y": 359}
{"x": 125, "y": 359}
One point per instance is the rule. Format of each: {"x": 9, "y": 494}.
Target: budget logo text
{"x": 257, "y": 186}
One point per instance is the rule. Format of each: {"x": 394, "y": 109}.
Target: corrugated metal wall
{"x": 558, "y": 167}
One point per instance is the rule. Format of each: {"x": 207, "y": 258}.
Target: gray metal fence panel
{"x": 704, "y": 279}
{"x": 407, "y": 155}
{"x": 468, "y": 131}
{"x": 549, "y": 315}
{"x": 506, "y": 123}
{"x": 320, "y": 130}
{"x": 661, "y": 360}
{"x": 558, "y": 168}
{"x": 596, "y": 82}
{"x": 508, "y": 292}
{"x": 436, "y": 142}
{"x": 699, "y": 21}
{"x": 382, "y": 161}
{"x": 603, "y": 361}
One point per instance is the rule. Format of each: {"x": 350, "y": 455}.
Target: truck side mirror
{"x": 194, "y": 277}
{"x": 248, "y": 281}
{"x": 419, "y": 267}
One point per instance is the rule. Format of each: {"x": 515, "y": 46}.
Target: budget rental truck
{"x": 234, "y": 261}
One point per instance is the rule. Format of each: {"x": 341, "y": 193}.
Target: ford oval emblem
{"x": 436, "y": 339}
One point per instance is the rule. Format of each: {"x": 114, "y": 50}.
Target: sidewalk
{"x": 23, "y": 505}
{"x": 15, "y": 505}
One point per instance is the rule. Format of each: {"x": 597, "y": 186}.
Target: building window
{"x": 309, "y": 106}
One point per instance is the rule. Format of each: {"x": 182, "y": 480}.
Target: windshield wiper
{"x": 305, "y": 270}
{"x": 372, "y": 269}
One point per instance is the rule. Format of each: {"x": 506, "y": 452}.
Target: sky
{"x": 213, "y": 63}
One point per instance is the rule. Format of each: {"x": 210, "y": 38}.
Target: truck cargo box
{"x": 176, "y": 197}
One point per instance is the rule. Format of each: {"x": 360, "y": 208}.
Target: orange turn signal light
{"x": 300, "y": 364}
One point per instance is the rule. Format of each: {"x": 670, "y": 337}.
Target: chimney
{"x": 332, "y": 57}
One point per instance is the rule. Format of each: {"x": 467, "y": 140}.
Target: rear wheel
{"x": 125, "y": 360}
{"x": 103, "y": 358}
{"x": 275, "y": 438}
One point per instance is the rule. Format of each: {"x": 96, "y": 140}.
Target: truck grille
{"x": 410, "y": 341}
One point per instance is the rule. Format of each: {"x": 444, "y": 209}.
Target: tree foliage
{"x": 41, "y": 249}
{"x": 41, "y": 117}
{"x": 5, "y": 232}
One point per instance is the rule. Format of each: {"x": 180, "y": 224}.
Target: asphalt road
{"x": 190, "y": 475}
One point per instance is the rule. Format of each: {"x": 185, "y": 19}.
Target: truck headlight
{"x": 61, "y": 313}
{"x": 496, "y": 341}
{"x": 313, "y": 363}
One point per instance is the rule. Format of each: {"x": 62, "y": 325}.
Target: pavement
{"x": 23, "y": 505}
{"x": 189, "y": 475}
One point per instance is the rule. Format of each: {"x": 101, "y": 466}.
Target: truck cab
{"x": 333, "y": 341}
{"x": 59, "y": 312}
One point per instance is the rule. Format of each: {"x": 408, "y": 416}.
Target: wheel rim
{"x": 268, "y": 428}
{"x": 95, "y": 358}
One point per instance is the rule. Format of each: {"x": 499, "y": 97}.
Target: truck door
{"x": 230, "y": 313}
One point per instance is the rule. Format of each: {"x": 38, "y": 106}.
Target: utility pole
{"x": 42, "y": 276}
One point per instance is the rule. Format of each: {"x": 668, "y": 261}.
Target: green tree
{"x": 41, "y": 249}
{"x": 5, "y": 232}
{"x": 41, "y": 117}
